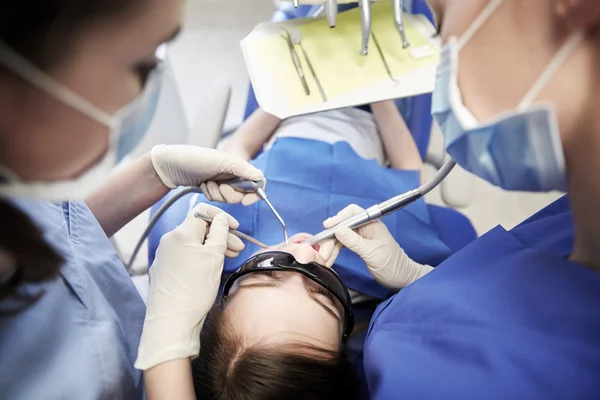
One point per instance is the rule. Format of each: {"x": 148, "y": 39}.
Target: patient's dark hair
{"x": 228, "y": 370}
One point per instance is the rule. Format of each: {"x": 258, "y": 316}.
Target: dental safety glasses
{"x": 324, "y": 277}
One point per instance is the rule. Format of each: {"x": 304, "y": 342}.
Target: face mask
{"x": 518, "y": 150}
{"x": 127, "y": 129}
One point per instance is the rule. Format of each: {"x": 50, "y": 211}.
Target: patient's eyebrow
{"x": 276, "y": 284}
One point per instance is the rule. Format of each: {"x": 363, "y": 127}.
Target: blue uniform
{"x": 80, "y": 339}
{"x": 507, "y": 317}
{"x": 309, "y": 181}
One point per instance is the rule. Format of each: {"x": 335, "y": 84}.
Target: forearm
{"x": 126, "y": 194}
{"x": 170, "y": 380}
{"x": 398, "y": 142}
{"x": 252, "y": 134}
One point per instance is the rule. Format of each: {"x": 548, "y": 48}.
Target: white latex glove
{"x": 184, "y": 281}
{"x": 387, "y": 262}
{"x": 185, "y": 165}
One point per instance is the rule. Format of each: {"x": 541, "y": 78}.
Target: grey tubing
{"x": 438, "y": 177}
{"x": 153, "y": 221}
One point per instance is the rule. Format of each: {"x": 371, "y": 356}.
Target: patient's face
{"x": 287, "y": 306}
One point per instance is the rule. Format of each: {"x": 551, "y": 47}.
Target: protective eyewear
{"x": 281, "y": 261}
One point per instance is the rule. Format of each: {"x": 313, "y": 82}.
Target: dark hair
{"x": 43, "y": 31}
{"x": 227, "y": 370}
{"x": 34, "y": 259}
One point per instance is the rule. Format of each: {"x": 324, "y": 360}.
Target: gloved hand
{"x": 387, "y": 262}
{"x": 185, "y": 165}
{"x": 184, "y": 281}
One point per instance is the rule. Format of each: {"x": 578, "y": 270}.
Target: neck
{"x": 584, "y": 194}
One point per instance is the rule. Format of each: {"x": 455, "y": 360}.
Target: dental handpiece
{"x": 378, "y": 211}
{"x": 399, "y": 22}
{"x": 365, "y": 24}
{"x": 248, "y": 186}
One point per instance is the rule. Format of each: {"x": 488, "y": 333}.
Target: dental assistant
{"x": 513, "y": 315}
{"x": 79, "y": 83}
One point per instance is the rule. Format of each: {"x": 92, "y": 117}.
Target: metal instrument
{"x": 378, "y": 211}
{"x": 365, "y": 24}
{"x": 385, "y": 63}
{"x": 234, "y": 232}
{"x": 296, "y": 3}
{"x": 399, "y": 22}
{"x": 331, "y": 11}
{"x": 248, "y": 186}
{"x": 297, "y": 63}
{"x": 297, "y": 38}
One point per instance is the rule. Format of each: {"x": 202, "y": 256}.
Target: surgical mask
{"x": 127, "y": 128}
{"x": 518, "y": 150}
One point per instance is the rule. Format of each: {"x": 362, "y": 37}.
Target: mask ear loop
{"x": 481, "y": 19}
{"x": 30, "y": 73}
{"x": 559, "y": 59}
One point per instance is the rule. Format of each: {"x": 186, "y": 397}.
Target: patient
{"x": 278, "y": 334}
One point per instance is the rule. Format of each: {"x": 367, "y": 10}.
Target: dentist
{"x": 514, "y": 315}
{"x": 79, "y": 83}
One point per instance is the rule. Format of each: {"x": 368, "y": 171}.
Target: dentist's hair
{"x": 229, "y": 370}
{"x": 44, "y": 31}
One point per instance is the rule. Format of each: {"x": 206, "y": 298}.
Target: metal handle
{"x": 244, "y": 185}
{"x": 331, "y": 11}
{"x": 399, "y": 22}
{"x": 365, "y": 21}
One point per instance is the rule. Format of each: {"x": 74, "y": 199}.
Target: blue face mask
{"x": 519, "y": 149}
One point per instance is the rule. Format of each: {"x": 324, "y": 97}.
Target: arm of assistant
{"x": 251, "y": 136}
{"x": 398, "y": 142}
{"x": 184, "y": 282}
{"x": 146, "y": 180}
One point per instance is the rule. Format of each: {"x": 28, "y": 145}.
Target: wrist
{"x": 153, "y": 182}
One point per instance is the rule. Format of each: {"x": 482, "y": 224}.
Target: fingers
{"x": 211, "y": 211}
{"x": 226, "y": 194}
{"x": 329, "y": 251}
{"x": 237, "y": 166}
{"x": 233, "y": 244}
{"x": 350, "y": 239}
{"x": 218, "y": 234}
{"x": 343, "y": 215}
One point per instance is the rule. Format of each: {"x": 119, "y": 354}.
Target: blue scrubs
{"x": 80, "y": 339}
{"x": 507, "y": 317}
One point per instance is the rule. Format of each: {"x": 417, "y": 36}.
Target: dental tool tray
{"x": 347, "y": 77}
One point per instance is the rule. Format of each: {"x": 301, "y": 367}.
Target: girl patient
{"x": 278, "y": 332}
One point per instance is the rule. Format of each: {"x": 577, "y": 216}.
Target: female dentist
{"x": 78, "y": 86}
{"x": 514, "y": 314}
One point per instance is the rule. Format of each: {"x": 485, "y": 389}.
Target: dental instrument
{"x": 296, "y": 3}
{"x": 296, "y": 61}
{"x": 365, "y": 24}
{"x": 378, "y": 211}
{"x": 399, "y": 21}
{"x": 331, "y": 11}
{"x": 385, "y": 63}
{"x": 234, "y": 232}
{"x": 241, "y": 185}
{"x": 297, "y": 38}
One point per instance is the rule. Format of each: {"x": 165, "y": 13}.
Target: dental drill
{"x": 365, "y": 24}
{"x": 378, "y": 211}
{"x": 399, "y": 22}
